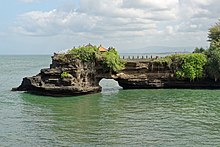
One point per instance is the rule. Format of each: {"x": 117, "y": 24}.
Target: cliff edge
{"x": 145, "y": 74}
{"x": 80, "y": 70}
{"x": 66, "y": 76}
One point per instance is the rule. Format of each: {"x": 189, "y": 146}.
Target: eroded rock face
{"x": 148, "y": 74}
{"x": 82, "y": 78}
{"x": 144, "y": 74}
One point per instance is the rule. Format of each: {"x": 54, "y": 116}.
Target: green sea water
{"x": 114, "y": 117}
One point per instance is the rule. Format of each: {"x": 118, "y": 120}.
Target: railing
{"x": 136, "y": 56}
{"x": 139, "y": 57}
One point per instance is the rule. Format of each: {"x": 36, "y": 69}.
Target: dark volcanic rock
{"x": 83, "y": 78}
{"x": 148, "y": 75}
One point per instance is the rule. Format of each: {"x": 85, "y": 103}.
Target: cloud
{"x": 151, "y": 4}
{"x": 139, "y": 21}
{"x": 101, "y": 16}
{"x": 147, "y": 9}
{"x": 199, "y": 8}
{"x": 53, "y": 22}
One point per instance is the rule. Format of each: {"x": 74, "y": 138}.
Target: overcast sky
{"x": 47, "y": 26}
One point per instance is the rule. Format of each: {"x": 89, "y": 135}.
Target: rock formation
{"x": 84, "y": 77}
{"x": 145, "y": 74}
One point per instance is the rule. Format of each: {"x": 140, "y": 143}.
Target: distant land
{"x": 161, "y": 49}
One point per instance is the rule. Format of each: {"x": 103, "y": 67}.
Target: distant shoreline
{"x": 121, "y": 53}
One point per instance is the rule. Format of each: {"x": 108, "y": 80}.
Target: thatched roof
{"x": 102, "y": 49}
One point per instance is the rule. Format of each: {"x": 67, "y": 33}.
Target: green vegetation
{"x": 64, "y": 75}
{"x": 192, "y": 66}
{"x": 186, "y": 66}
{"x": 213, "y": 53}
{"x": 84, "y": 53}
{"x": 201, "y": 63}
{"x": 199, "y": 50}
{"x": 167, "y": 59}
{"x": 213, "y": 68}
{"x": 214, "y": 33}
{"x": 110, "y": 60}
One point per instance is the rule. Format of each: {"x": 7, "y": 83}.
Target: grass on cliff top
{"x": 109, "y": 60}
{"x": 84, "y": 53}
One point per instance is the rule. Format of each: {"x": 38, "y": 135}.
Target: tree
{"x": 213, "y": 68}
{"x": 213, "y": 53}
{"x": 214, "y": 33}
{"x": 199, "y": 50}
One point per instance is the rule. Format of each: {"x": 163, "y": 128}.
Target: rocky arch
{"x": 85, "y": 77}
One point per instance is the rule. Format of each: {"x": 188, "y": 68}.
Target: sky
{"x": 48, "y": 26}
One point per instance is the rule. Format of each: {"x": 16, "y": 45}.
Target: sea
{"x": 114, "y": 117}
